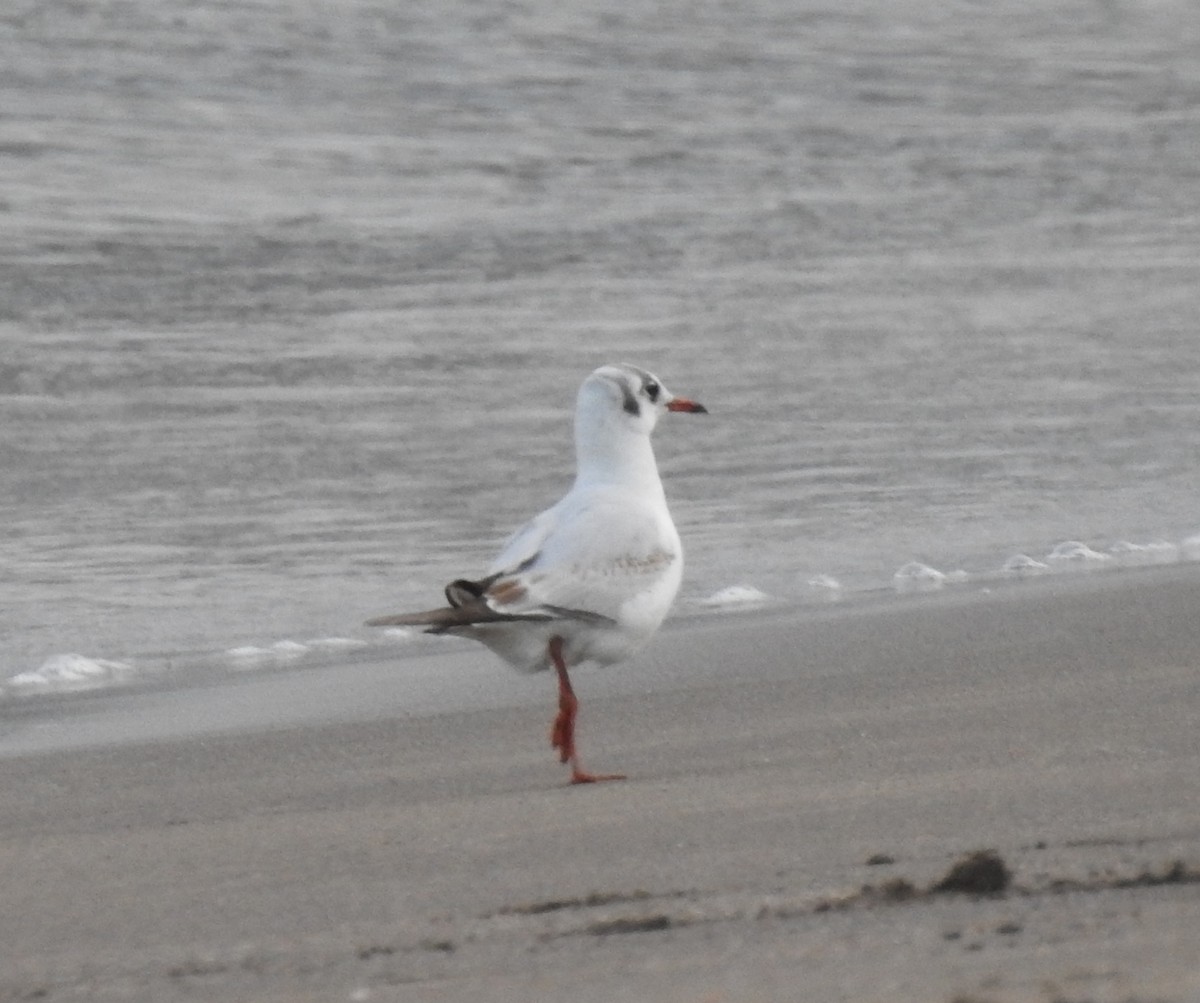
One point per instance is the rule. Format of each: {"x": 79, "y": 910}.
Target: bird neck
{"x": 609, "y": 452}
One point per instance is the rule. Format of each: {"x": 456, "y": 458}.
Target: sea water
{"x": 295, "y": 300}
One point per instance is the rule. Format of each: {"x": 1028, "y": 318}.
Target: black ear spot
{"x": 630, "y": 403}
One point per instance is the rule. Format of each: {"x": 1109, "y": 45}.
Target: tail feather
{"x": 468, "y": 605}
{"x": 438, "y": 621}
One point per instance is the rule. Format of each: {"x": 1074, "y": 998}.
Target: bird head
{"x": 631, "y": 397}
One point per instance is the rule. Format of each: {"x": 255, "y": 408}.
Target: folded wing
{"x": 586, "y": 575}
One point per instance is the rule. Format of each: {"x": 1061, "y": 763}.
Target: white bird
{"x": 592, "y": 577}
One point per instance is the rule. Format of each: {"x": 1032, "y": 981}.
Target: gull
{"x": 592, "y": 577}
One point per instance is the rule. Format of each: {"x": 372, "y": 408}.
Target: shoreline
{"x": 787, "y": 776}
{"x": 411, "y": 680}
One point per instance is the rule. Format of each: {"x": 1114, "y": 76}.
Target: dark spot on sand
{"x": 980, "y": 873}
{"x": 375, "y": 951}
{"x": 640, "y": 924}
{"x": 892, "y": 890}
{"x": 898, "y": 890}
{"x": 387, "y": 950}
{"x": 195, "y": 968}
{"x": 1177, "y": 872}
{"x": 880, "y": 860}
{"x": 1009, "y": 929}
{"x": 584, "y": 902}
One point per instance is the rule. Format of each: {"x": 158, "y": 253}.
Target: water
{"x": 295, "y": 298}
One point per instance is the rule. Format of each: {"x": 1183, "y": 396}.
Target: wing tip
{"x": 429, "y": 618}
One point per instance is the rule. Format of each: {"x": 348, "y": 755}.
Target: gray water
{"x": 295, "y": 297}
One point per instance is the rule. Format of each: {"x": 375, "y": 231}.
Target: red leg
{"x": 562, "y": 734}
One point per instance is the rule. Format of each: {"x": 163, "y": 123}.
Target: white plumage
{"x": 593, "y": 576}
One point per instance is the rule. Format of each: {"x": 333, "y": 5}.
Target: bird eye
{"x": 651, "y": 389}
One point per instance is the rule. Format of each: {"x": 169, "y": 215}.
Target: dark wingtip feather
{"x": 468, "y": 606}
{"x": 429, "y": 618}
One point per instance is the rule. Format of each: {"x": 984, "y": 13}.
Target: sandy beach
{"x": 294, "y": 299}
{"x": 798, "y": 785}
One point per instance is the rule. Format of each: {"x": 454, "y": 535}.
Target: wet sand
{"x": 798, "y": 783}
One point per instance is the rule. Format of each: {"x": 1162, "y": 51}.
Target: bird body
{"x": 592, "y": 577}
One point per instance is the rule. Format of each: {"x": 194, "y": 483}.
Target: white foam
{"x": 1076, "y": 554}
{"x": 737, "y": 595}
{"x": 398, "y": 634}
{"x": 825, "y": 587}
{"x": 249, "y": 656}
{"x": 337, "y": 643}
{"x": 917, "y": 577}
{"x": 1155, "y": 552}
{"x": 1190, "y": 548}
{"x": 1022, "y": 565}
{"x": 69, "y": 673}
{"x": 246, "y": 653}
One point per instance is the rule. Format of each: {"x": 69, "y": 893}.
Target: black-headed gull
{"x": 592, "y": 577}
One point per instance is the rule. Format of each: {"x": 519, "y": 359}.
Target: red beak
{"x": 683, "y": 404}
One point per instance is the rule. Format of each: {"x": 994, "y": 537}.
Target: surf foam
{"x": 69, "y": 673}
